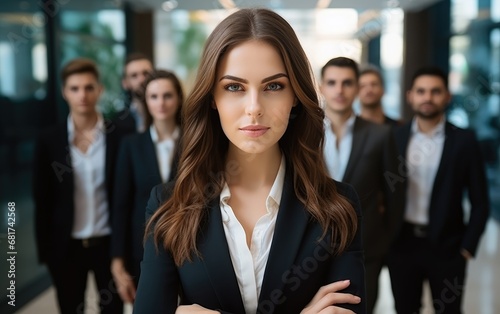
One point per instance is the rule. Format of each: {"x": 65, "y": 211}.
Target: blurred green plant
{"x": 95, "y": 40}
{"x": 189, "y": 43}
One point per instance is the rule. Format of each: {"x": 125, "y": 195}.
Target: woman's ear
{"x": 295, "y": 102}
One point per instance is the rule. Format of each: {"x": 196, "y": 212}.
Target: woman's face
{"x": 162, "y": 100}
{"x": 253, "y": 96}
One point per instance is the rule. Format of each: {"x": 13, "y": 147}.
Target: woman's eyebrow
{"x": 267, "y": 79}
{"x": 273, "y": 77}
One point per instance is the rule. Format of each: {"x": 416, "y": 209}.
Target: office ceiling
{"x": 361, "y": 5}
{"x": 192, "y": 5}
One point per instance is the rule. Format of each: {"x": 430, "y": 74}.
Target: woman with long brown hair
{"x": 252, "y": 223}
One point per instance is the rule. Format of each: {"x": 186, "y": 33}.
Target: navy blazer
{"x": 298, "y": 265}
{"x": 461, "y": 170}
{"x": 53, "y": 188}
{"x": 137, "y": 172}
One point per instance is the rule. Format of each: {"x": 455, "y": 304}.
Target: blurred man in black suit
{"x": 443, "y": 163}
{"x": 72, "y": 184}
{"x": 361, "y": 153}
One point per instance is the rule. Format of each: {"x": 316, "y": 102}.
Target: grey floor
{"x": 481, "y": 296}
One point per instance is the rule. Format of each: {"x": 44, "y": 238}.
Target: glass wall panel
{"x": 23, "y": 60}
{"x": 475, "y": 82}
{"x": 23, "y": 92}
{"x": 392, "y": 60}
{"x": 32, "y": 50}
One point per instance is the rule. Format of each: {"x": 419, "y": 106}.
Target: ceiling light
{"x": 169, "y": 5}
{"x": 323, "y": 4}
{"x": 227, "y": 4}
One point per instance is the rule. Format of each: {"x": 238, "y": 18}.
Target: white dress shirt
{"x": 423, "y": 157}
{"x": 337, "y": 156}
{"x": 250, "y": 263}
{"x": 164, "y": 151}
{"x": 91, "y": 216}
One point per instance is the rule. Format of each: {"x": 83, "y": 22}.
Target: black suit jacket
{"x": 137, "y": 172}
{"x": 373, "y": 158}
{"x": 296, "y": 268}
{"x": 391, "y": 122}
{"x": 53, "y": 188}
{"x": 461, "y": 169}
{"x": 124, "y": 120}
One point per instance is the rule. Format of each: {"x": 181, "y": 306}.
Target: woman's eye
{"x": 233, "y": 87}
{"x": 274, "y": 86}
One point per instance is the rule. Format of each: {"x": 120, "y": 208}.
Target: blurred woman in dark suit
{"x": 144, "y": 160}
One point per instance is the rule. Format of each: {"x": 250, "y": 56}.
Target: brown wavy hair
{"x": 157, "y": 75}
{"x": 200, "y": 177}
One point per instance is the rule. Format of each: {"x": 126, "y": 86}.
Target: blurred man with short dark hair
{"x": 362, "y": 153}
{"x": 371, "y": 91}
{"x": 72, "y": 185}
{"x": 443, "y": 164}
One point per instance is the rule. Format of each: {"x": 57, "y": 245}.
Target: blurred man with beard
{"x": 136, "y": 69}
{"x": 442, "y": 164}
{"x": 371, "y": 91}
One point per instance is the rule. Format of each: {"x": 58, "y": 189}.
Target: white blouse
{"x": 164, "y": 151}
{"x": 250, "y": 263}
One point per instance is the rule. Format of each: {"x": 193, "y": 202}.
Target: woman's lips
{"x": 254, "y": 131}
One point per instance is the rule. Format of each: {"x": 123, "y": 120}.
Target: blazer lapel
{"x": 291, "y": 224}
{"x": 152, "y": 159}
{"x": 175, "y": 161}
{"x": 359, "y": 137}
{"x": 215, "y": 256}
{"x": 64, "y": 166}
{"x": 443, "y": 164}
{"x": 149, "y": 153}
{"x": 112, "y": 141}
{"x": 63, "y": 157}
{"x": 403, "y": 140}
